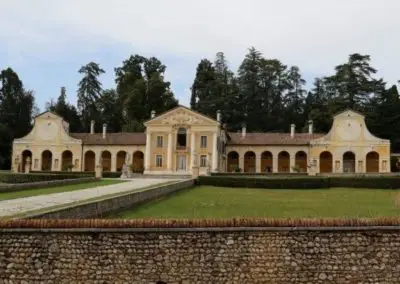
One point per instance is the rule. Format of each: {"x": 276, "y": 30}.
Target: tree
{"x": 111, "y": 110}
{"x": 141, "y": 89}
{"x": 16, "y": 107}
{"x": 67, "y": 111}
{"x": 204, "y": 89}
{"x": 353, "y": 84}
{"x": 88, "y": 92}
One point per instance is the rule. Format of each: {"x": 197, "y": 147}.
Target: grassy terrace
{"x": 56, "y": 189}
{"x": 218, "y": 202}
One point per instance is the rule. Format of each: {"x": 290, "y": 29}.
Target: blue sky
{"x": 46, "y": 42}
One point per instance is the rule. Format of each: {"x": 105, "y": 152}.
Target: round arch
{"x": 249, "y": 162}
{"x": 372, "y": 162}
{"x": 349, "y": 162}
{"x": 283, "y": 162}
{"x": 90, "y": 159}
{"x": 266, "y": 162}
{"x": 121, "y": 158}
{"x": 25, "y": 154}
{"x": 233, "y": 161}
{"x": 301, "y": 161}
{"x": 138, "y": 161}
{"x": 106, "y": 161}
{"x": 47, "y": 158}
{"x": 325, "y": 162}
{"x": 66, "y": 160}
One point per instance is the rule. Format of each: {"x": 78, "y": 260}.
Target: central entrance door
{"x": 181, "y": 163}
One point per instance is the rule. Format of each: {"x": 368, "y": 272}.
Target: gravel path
{"x": 23, "y": 205}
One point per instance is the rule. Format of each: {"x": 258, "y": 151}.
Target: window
{"x": 159, "y": 141}
{"x": 203, "y": 161}
{"x": 159, "y": 161}
{"x": 203, "y": 142}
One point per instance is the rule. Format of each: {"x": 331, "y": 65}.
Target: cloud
{"x": 315, "y": 35}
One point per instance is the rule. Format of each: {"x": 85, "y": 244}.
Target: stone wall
{"x": 207, "y": 255}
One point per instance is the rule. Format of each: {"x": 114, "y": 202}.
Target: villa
{"x": 179, "y": 140}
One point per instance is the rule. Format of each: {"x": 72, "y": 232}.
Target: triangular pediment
{"x": 181, "y": 116}
{"x": 48, "y": 114}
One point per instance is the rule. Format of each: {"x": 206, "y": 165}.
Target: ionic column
{"x": 215, "y": 153}
{"x": 192, "y": 149}
{"x": 147, "y": 155}
{"x": 169, "y": 158}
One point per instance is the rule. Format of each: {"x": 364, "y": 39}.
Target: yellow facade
{"x": 179, "y": 140}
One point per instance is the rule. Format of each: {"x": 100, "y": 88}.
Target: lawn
{"x": 56, "y": 189}
{"x": 218, "y": 202}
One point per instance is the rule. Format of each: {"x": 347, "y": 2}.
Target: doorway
{"x": 181, "y": 163}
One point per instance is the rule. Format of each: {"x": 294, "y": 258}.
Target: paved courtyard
{"x": 23, "y": 205}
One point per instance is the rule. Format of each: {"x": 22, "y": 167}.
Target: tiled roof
{"x": 123, "y": 138}
{"x": 272, "y": 138}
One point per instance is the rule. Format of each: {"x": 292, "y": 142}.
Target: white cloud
{"x": 313, "y": 34}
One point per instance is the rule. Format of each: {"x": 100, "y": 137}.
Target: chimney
{"x": 243, "y": 130}
{"x": 104, "y": 130}
{"x": 292, "y": 126}
{"x": 218, "y": 115}
{"x": 310, "y": 127}
{"x": 153, "y": 114}
{"x": 92, "y": 127}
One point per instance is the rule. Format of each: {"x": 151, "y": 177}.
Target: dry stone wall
{"x": 212, "y": 255}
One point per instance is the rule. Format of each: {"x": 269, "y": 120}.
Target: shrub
{"x": 306, "y": 182}
{"x": 27, "y": 178}
{"x": 63, "y": 173}
{"x": 111, "y": 174}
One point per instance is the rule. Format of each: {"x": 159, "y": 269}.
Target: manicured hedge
{"x": 257, "y": 174}
{"x": 301, "y": 182}
{"x": 63, "y": 173}
{"x": 27, "y": 178}
{"x": 111, "y": 174}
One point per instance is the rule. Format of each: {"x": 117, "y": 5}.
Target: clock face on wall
{"x": 47, "y": 130}
{"x": 349, "y": 130}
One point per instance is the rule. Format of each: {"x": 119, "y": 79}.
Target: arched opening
{"x": 249, "y": 162}
{"x": 47, "y": 158}
{"x": 138, "y": 162}
{"x": 25, "y": 155}
{"x": 90, "y": 158}
{"x": 121, "y": 157}
{"x": 266, "y": 162}
{"x": 233, "y": 161}
{"x": 372, "y": 162}
{"x": 66, "y": 161}
{"x": 349, "y": 162}
{"x": 301, "y": 161}
{"x": 283, "y": 162}
{"x": 325, "y": 162}
{"x": 106, "y": 161}
{"x": 181, "y": 138}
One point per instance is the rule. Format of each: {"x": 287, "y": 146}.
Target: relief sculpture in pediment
{"x": 181, "y": 118}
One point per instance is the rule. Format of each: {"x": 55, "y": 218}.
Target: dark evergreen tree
{"x": 89, "y": 92}
{"x": 16, "y": 113}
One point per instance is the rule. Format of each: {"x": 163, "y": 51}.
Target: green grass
{"x": 56, "y": 189}
{"x": 218, "y": 202}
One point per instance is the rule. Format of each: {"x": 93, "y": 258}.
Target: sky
{"x": 46, "y": 42}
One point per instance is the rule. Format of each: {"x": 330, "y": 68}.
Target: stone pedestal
{"x": 312, "y": 168}
{"x": 99, "y": 172}
{"x": 16, "y": 165}
{"x": 195, "y": 171}
{"x": 28, "y": 165}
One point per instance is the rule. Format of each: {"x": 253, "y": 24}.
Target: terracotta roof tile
{"x": 272, "y": 138}
{"x": 123, "y": 138}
